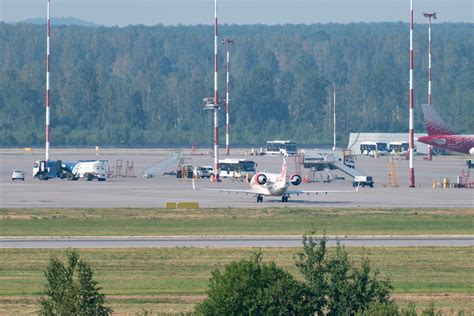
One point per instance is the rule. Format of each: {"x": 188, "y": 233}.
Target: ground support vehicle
{"x": 363, "y": 181}
{"x": 48, "y": 169}
{"x": 74, "y": 170}
{"x": 88, "y": 170}
{"x": 185, "y": 171}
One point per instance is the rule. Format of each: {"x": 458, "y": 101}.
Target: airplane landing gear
{"x": 259, "y": 199}
{"x": 284, "y": 198}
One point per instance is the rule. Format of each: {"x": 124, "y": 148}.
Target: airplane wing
{"x": 256, "y": 191}
{"x": 297, "y": 192}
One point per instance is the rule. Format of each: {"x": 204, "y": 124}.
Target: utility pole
{"x": 213, "y": 103}
{"x": 429, "y": 16}
{"x": 226, "y": 41}
{"x": 411, "y": 118}
{"x": 334, "y": 117}
{"x": 48, "y": 60}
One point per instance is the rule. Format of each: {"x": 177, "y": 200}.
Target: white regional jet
{"x": 273, "y": 184}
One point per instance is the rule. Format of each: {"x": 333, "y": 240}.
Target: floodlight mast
{"x": 411, "y": 118}
{"x": 48, "y": 60}
{"x": 334, "y": 118}
{"x": 429, "y": 16}
{"x": 213, "y": 103}
{"x": 227, "y": 41}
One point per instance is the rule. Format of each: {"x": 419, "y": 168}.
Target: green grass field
{"x": 270, "y": 221}
{"x": 173, "y": 280}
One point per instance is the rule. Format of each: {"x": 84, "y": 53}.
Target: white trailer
{"x": 89, "y": 170}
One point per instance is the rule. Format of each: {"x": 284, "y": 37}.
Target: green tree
{"x": 252, "y": 287}
{"x": 71, "y": 290}
{"x": 140, "y": 85}
{"x": 338, "y": 287}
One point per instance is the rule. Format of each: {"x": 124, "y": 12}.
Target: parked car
{"x": 203, "y": 172}
{"x": 18, "y": 175}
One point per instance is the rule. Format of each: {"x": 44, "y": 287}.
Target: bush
{"x": 338, "y": 287}
{"x": 70, "y": 290}
{"x": 251, "y": 287}
{"x": 332, "y": 285}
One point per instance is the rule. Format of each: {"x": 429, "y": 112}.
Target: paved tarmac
{"x": 141, "y": 192}
{"x": 230, "y": 242}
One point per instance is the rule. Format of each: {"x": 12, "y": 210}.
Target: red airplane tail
{"x": 434, "y": 123}
{"x": 282, "y": 176}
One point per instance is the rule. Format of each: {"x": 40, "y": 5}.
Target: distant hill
{"x": 70, "y": 20}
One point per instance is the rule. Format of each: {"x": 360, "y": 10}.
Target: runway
{"x": 230, "y": 242}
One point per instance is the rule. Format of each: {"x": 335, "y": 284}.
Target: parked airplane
{"x": 274, "y": 184}
{"x": 440, "y": 135}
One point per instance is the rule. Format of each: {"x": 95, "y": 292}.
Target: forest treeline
{"x": 144, "y": 86}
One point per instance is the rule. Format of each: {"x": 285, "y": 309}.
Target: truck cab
{"x": 47, "y": 169}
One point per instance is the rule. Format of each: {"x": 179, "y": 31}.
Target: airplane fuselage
{"x": 275, "y": 185}
{"x": 457, "y": 143}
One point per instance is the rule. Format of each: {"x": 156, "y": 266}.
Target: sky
{"x": 172, "y": 12}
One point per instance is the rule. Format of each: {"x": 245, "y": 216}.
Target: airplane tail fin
{"x": 434, "y": 123}
{"x": 283, "y": 169}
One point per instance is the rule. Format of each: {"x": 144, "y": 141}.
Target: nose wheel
{"x": 285, "y": 197}
{"x": 259, "y": 198}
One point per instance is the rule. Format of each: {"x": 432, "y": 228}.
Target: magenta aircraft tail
{"x": 434, "y": 123}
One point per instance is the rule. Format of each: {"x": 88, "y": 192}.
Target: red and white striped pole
{"x": 48, "y": 59}
{"x": 334, "y": 118}
{"x": 216, "y": 100}
{"x": 227, "y": 41}
{"x": 411, "y": 123}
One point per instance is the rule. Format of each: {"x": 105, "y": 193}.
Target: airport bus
{"x": 233, "y": 168}
{"x": 398, "y": 147}
{"x": 370, "y": 148}
{"x": 281, "y": 147}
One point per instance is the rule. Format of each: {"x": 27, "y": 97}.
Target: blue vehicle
{"x": 44, "y": 170}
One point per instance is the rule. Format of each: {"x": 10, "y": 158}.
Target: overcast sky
{"x": 151, "y": 12}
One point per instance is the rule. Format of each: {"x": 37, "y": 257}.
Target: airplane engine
{"x": 261, "y": 179}
{"x": 471, "y": 151}
{"x": 295, "y": 179}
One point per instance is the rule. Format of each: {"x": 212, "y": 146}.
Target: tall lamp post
{"x": 430, "y": 16}
{"x": 227, "y": 41}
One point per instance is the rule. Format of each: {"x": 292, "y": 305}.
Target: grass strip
{"x": 173, "y": 280}
{"x": 268, "y": 221}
